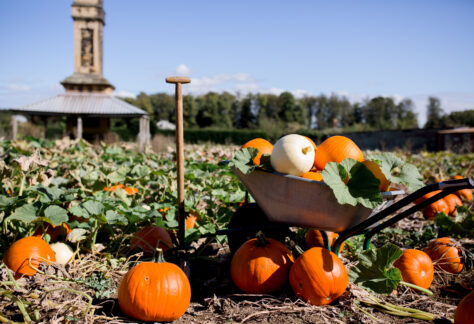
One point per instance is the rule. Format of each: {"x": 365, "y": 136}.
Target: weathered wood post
{"x": 180, "y": 153}
{"x": 79, "y": 127}
{"x": 144, "y": 133}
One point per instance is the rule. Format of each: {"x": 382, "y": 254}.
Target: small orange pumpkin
{"x": 416, "y": 267}
{"x": 190, "y": 221}
{"x": 263, "y": 146}
{"x": 452, "y": 201}
{"x": 55, "y": 231}
{"x": 445, "y": 254}
{"x": 18, "y": 256}
{"x": 318, "y": 276}
{"x": 336, "y": 149}
{"x": 464, "y": 194}
{"x": 155, "y": 292}
{"x": 314, "y": 238}
{"x": 261, "y": 265}
{"x": 147, "y": 238}
{"x": 464, "y": 312}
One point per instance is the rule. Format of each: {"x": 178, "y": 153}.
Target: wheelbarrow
{"x": 285, "y": 200}
{"x": 296, "y": 201}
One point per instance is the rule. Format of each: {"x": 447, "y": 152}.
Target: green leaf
{"x": 57, "y": 215}
{"x": 77, "y": 235}
{"x": 397, "y": 171}
{"x": 79, "y": 211}
{"x": 362, "y": 187}
{"x": 25, "y": 213}
{"x": 7, "y": 201}
{"x": 243, "y": 160}
{"x": 93, "y": 207}
{"x": 461, "y": 226}
{"x": 375, "y": 270}
{"x": 115, "y": 218}
{"x": 49, "y": 194}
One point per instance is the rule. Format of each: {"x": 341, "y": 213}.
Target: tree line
{"x": 269, "y": 111}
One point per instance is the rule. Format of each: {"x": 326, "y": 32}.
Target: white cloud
{"x": 222, "y": 82}
{"x": 125, "y": 94}
{"x": 183, "y": 70}
{"x": 18, "y": 87}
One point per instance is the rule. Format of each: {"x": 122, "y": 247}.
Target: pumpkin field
{"x": 82, "y": 224}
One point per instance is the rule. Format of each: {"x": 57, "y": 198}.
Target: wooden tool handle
{"x": 178, "y": 80}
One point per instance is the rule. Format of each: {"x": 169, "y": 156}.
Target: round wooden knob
{"x": 178, "y": 80}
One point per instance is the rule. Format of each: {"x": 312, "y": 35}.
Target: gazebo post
{"x": 14, "y": 122}
{"x": 79, "y": 127}
{"x": 144, "y": 133}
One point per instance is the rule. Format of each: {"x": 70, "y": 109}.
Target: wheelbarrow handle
{"x": 447, "y": 187}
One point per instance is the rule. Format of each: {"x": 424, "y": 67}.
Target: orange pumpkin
{"x": 130, "y": 190}
{"x": 464, "y": 312}
{"x": 312, "y": 175}
{"x": 113, "y": 188}
{"x": 445, "y": 254}
{"x": 452, "y": 201}
{"x": 261, "y": 265}
{"x": 430, "y": 211}
{"x": 147, "y": 238}
{"x": 336, "y": 149}
{"x": 464, "y": 194}
{"x": 154, "y": 292}
{"x": 314, "y": 238}
{"x": 416, "y": 267}
{"x": 263, "y": 146}
{"x": 18, "y": 256}
{"x": 55, "y": 231}
{"x": 318, "y": 276}
{"x": 377, "y": 172}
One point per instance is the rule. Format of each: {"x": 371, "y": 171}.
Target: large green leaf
{"x": 25, "y": 213}
{"x": 57, "y": 215}
{"x": 93, "y": 207}
{"x": 243, "y": 160}
{"x": 461, "y": 226}
{"x": 397, "y": 171}
{"x": 375, "y": 270}
{"x": 362, "y": 186}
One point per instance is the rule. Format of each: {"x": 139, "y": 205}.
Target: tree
{"x": 225, "y": 106}
{"x": 406, "y": 118}
{"x": 208, "y": 110}
{"x": 434, "y": 113}
{"x": 189, "y": 111}
{"x": 247, "y": 118}
{"x": 286, "y": 107}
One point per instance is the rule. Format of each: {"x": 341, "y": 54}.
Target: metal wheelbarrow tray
{"x": 302, "y": 202}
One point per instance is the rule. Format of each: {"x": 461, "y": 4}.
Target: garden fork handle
{"x": 180, "y": 152}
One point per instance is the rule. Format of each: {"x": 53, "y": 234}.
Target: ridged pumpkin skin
{"x": 151, "y": 234}
{"x": 314, "y": 238}
{"x": 263, "y": 146}
{"x": 314, "y": 147}
{"x": 416, "y": 267}
{"x": 430, "y": 211}
{"x": 261, "y": 269}
{"x": 318, "y": 276}
{"x": 445, "y": 255}
{"x": 154, "y": 292}
{"x": 19, "y": 253}
{"x": 452, "y": 201}
{"x": 336, "y": 149}
{"x": 464, "y": 313}
{"x": 464, "y": 194}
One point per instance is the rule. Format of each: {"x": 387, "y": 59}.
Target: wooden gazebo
{"x": 88, "y": 102}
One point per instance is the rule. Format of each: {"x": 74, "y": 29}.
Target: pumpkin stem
{"x": 159, "y": 256}
{"x": 261, "y": 239}
{"x": 306, "y": 149}
{"x": 426, "y": 291}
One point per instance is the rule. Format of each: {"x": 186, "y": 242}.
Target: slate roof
{"x": 84, "y": 104}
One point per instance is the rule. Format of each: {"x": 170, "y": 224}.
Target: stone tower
{"x": 88, "y": 17}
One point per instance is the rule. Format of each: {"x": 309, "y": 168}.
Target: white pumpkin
{"x": 63, "y": 252}
{"x": 292, "y": 154}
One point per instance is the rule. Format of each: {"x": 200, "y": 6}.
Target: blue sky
{"x": 360, "y": 49}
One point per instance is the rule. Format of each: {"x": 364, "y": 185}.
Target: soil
{"x": 61, "y": 294}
